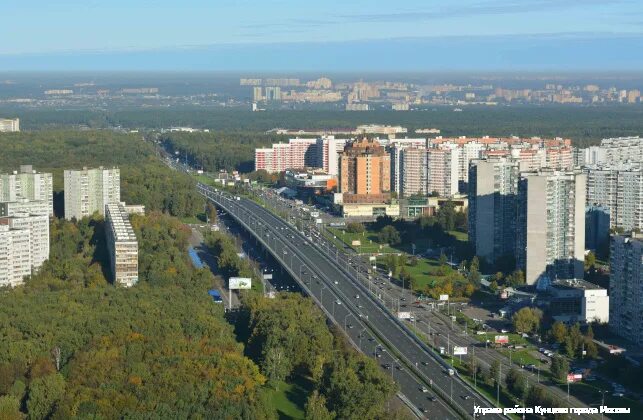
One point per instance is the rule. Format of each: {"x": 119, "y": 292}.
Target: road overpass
{"x": 419, "y": 371}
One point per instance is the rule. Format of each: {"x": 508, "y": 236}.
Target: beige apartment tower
{"x": 88, "y": 191}
{"x": 121, "y": 244}
{"x": 551, "y": 225}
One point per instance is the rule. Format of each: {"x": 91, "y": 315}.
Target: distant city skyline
{"x": 332, "y": 35}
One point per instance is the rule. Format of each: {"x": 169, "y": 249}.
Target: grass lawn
{"x": 290, "y": 398}
{"x": 522, "y": 356}
{"x": 198, "y": 220}
{"x": 368, "y": 241}
{"x": 460, "y": 236}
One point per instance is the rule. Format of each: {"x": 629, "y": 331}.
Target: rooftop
{"x": 120, "y": 224}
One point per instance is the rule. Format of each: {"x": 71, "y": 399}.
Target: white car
{"x": 423, "y": 389}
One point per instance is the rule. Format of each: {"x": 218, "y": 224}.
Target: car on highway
{"x": 423, "y": 389}
{"x": 466, "y": 397}
{"x": 386, "y": 366}
{"x": 432, "y": 398}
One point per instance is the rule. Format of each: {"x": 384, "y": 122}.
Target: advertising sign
{"x": 502, "y": 339}
{"x": 236, "y": 283}
{"x": 459, "y": 351}
{"x": 404, "y": 315}
{"x": 444, "y": 297}
{"x": 356, "y": 243}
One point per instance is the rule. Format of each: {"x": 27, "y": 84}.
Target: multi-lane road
{"x": 422, "y": 375}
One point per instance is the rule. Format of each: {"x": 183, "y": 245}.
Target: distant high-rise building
{"x": 550, "y": 238}
{"x": 257, "y": 94}
{"x": 493, "y": 190}
{"x": 619, "y": 187}
{"x": 413, "y": 169}
{"x": 121, "y": 244}
{"x": 24, "y": 246}
{"x": 626, "y": 287}
{"x": 443, "y": 171}
{"x": 364, "y": 174}
{"x": 87, "y": 191}
{"x": 273, "y": 93}
{"x": 27, "y": 184}
{"x": 9, "y": 125}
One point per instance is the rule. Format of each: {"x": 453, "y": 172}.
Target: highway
{"x": 436, "y": 327}
{"x": 421, "y": 374}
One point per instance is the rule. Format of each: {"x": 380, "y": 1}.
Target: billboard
{"x": 404, "y": 315}
{"x": 356, "y": 243}
{"x": 459, "y": 351}
{"x": 235, "y": 283}
{"x": 501, "y": 339}
{"x": 444, "y": 297}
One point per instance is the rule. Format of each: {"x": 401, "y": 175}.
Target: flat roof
{"x": 120, "y": 224}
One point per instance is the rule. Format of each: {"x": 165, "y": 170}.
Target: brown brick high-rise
{"x": 365, "y": 172}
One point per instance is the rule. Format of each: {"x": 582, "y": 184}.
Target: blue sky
{"x": 230, "y": 31}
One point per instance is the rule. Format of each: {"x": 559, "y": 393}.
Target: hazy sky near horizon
{"x": 37, "y": 27}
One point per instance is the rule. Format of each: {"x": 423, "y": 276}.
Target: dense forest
{"x": 144, "y": 179}
{"x": 233, "y": 150}
{"x": 585, "y": 125}
{"x": 73, "y": 345}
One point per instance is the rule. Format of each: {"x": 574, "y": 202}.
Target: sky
{"x": 227, "y": 34}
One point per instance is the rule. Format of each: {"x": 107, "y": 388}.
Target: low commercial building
{"x": 121, "y": 244}
{"x": 371, "y": 210}
{"x": 577, "y": 300}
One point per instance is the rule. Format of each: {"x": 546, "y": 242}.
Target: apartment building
{"x": 328, "y": 150}
{"x": 27, "y": 184}
{"x": 443, "y": 171}
{"x": 493, "y": 190}
{"x": 550, "y": 240}
{"x": 622, "y": 149}
{"x": 23, "y": 205}
{"x": 364, "y": 172}
{"x": 87, "y": 191}
{"x": 122, "y": 245}
{"x": 9, "y": 125}
{"x": 626, "y": 287}
{"x": 395, "y": 147}
{"x": 413, "y": 169}
{"x": 15, "y": 255}
{"x": 296, "y": 154}
{"x": 619, "y": 188}
{"x": 24, "y": 246}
